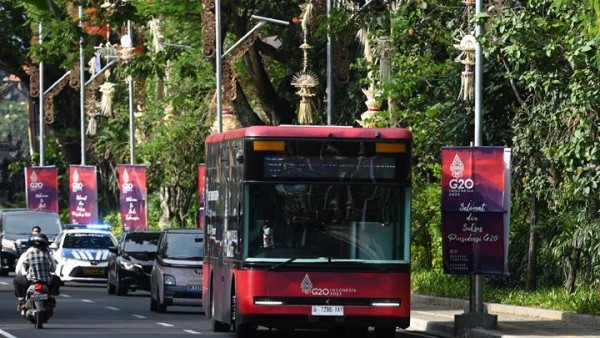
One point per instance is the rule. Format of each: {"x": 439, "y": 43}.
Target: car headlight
{"x": 8, "y": 244}
{"x": 128, "y": 266}
{"x": 169, "y": 280}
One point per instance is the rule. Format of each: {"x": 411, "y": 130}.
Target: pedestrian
{"x": 36, "y": 230}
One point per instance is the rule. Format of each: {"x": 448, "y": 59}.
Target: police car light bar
{"x": 105, "y": 227}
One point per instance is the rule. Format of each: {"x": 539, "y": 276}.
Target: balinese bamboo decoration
{"x": 208, "y": 28}
{"x": 157, "y": 36}
{"x": 372, "y": 92}
{"x": 229, "y": 76}
{"x": 305, "y": 80}
{"x": 74, "y": 76}
{"x": 467, "y": 58}
{"x": 140, "y": 96}
{"x": 106, "y": 101}
{"x": 91, "y": 106}
{"x": 49, "y": 100}
{"x": 34, "y": 81}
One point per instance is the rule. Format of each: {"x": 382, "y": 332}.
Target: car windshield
{"x": 184, "y": 246}
{"x": 141, "y": 242}
{"x": 88, "y": 241}
{"x": 21, "y": 222}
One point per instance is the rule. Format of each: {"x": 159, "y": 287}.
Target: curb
{"x": 568, "y": 317}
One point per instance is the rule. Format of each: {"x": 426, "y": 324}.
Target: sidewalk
{"x": 435, "y": 315}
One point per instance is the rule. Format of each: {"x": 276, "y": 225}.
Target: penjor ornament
{"x": 305, "y": 80}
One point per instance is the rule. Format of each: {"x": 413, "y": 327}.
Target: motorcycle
{"x": 39, "y": 304}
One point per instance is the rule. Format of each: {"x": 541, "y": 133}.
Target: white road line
{"x": 165, "y": 324}
{"x": 87, "y": 301}
{"x": 192, "y": 332}
{"x": 3, "y": 283}
{"x": 113, "y": 308}
{"x": 6, "y": 334}
{"x": 66, "y": 296}
{"x": 139, "y": 316}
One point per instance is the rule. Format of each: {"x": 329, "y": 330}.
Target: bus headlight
{"x": 267, "y": 301}
{"x": 386, "y": 302}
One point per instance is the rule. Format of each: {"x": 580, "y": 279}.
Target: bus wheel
{"x": 385, "y": 332}
{"x": 217, "y": 326}
{"x": 245, "y": 330}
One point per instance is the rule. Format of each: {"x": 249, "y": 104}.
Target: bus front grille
{"x": 326, "y": 301}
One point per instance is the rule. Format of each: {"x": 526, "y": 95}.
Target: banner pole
{"x": 478, "y": 286}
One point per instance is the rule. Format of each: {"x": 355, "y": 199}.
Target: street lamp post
{"x": 41, "y": 100}
{"x": 131, "y": 115}
{"x": 81, "y": 89}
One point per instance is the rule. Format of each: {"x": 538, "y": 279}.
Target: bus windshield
{"x": 332, "y": 222}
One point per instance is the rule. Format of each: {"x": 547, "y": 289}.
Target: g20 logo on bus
{"x": 309, "y": 289}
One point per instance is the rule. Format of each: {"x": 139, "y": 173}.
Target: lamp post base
{"x": 466, "y": 321}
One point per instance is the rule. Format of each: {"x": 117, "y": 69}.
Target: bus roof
{"x": 294, "y": 131}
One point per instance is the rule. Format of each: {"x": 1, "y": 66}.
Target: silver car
{"x": 176, "y": 277}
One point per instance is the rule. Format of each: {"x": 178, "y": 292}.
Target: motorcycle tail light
{"x": 39, "y": 287}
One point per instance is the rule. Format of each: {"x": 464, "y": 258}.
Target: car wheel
{"x": 160, "y": 307}
{"x": 120, "y": 288}
{"x": 4, "y": 272}
{"x": 110, "y": 287}
{"x": 153, "y": 304}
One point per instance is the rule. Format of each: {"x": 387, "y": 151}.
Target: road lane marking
{"x": 192, "y": 332}
{"x": 165, "y": 324}
{"x": 6, "y": 334}
{"x": 66, "y": 296}
{"x": 4, "y": 283}
{"x": 87, "y": 301}
{"x": 112, "y": 308}
{"x": 139, "y": 316}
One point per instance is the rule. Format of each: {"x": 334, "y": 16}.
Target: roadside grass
{"x": 585, "y": 300}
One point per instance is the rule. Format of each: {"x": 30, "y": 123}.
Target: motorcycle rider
{"x": 35, "y": 265}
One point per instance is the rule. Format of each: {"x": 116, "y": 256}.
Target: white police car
{"x": 81, "y": 253}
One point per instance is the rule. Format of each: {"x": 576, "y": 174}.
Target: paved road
{"x": 86, "y": 310}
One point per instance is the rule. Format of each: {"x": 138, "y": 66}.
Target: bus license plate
{"x": 327, "y": 310}
{"x": 38, "y": 296}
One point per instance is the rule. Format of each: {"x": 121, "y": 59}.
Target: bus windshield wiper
{"x": 286, "y": 262}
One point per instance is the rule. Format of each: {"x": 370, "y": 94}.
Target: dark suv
{"x": 130, "y": 264}
{"x": 15, "y": 230}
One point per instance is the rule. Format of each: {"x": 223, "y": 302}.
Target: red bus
{"x": 308, "y": 227}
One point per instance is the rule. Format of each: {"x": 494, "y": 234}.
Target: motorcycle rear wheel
{"x": 39, "y": 320}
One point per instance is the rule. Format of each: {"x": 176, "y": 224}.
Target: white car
{"x": 81, "y": 255}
